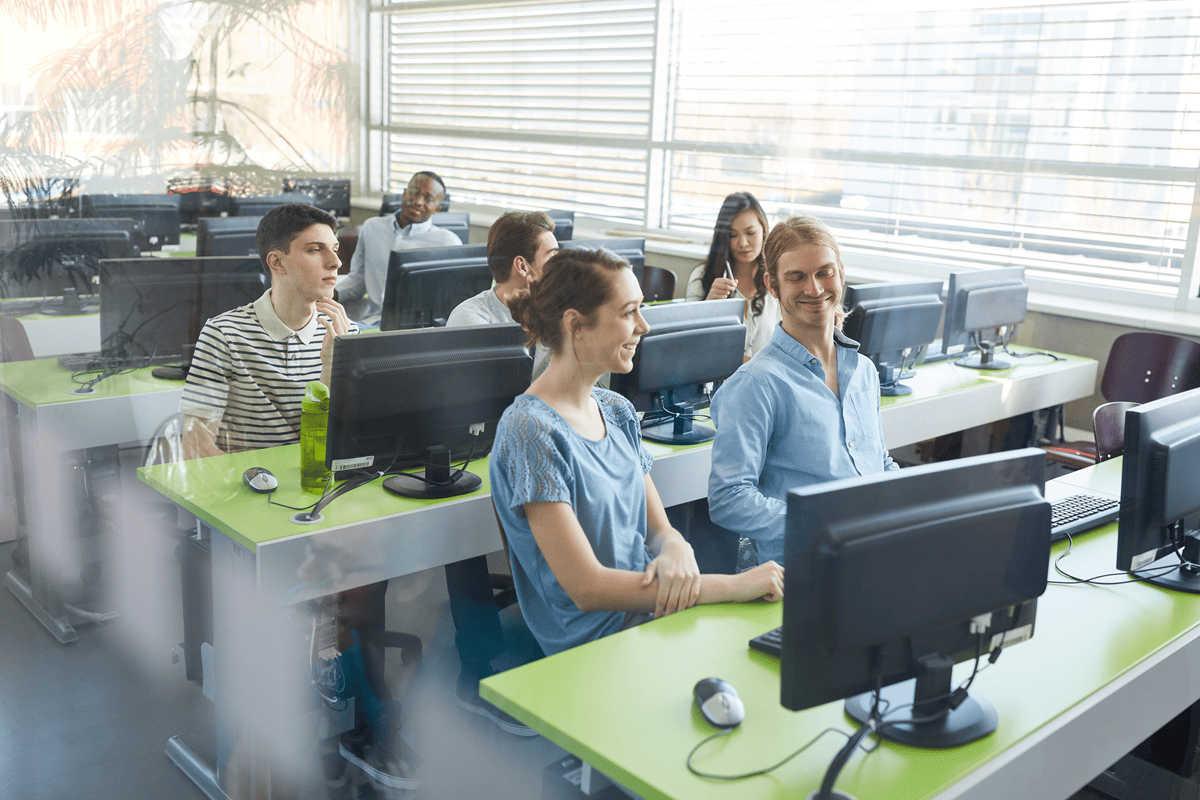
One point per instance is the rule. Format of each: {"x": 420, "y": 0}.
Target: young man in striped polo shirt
{"x": 244, "y": 391}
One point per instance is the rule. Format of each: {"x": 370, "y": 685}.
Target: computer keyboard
{"x": 770, "y": 642}
{"x": 1081, "y": 512}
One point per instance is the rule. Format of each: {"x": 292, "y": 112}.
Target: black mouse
{"x": 719, "y": 703}
{"x": 260, "y": 480}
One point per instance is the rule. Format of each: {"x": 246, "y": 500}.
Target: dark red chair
{"x": 1142, "y": 366}
{"x": 1108, "y": 426}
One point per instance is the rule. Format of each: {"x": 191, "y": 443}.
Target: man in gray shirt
{"x": 519, "y": 243}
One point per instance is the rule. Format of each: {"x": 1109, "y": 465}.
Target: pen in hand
{"x": 729, "y": 274}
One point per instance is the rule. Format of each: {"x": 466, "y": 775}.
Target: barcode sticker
{"x": 1012, "y": 637}
{"x": 353, "y": 463}
{"x": 1142, "y": 560}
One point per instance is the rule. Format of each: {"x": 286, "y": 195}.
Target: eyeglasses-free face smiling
{"x": 808, "y": 285}
{"x": 609, "y": 343}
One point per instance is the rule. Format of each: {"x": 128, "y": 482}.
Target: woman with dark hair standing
{"x": 591, "y": 549}
{"x": 735, "y": 263}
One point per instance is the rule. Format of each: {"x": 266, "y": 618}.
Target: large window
{"x": 1062, "y": 137}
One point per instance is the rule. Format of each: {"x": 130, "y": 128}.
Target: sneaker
{"x": 471, "y": 701}
{"x": 389, "y": 761}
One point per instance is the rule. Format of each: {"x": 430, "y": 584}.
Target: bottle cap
{"x": 316, "y": 397}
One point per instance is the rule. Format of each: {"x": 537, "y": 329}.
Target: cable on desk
{"x": 717, "y": 777}
{"x": 1138, "y": 576}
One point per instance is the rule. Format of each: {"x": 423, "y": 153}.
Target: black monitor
{"x": 231, "y": 242}
{"x": 154, "y": 308}
{"x": 1158, "y": 530}
{"x": 52, "y": 262}
{"x": 391, "y": 203}
{"x": 895, "y": 577}
{"x": 329, "y": 194}
{"x": 632, "y": 250}
{"x": 259, "y": 205}
{"x": 424, "y": 286}
{"x": 893, "y": 323}
{"x": 978, "y": 304}
{"x": 457, "y": 222}
{"x": 158, "y": 213}
{"x": 422, "y": 398}
{"x": 564, "y": 224}
{"x": 206, "y": 226}
{"x": 688, "y": 345}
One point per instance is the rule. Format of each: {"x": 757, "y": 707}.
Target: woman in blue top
{"x": 592, "y": 550}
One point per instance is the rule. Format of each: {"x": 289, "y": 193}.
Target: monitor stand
{"x": 985, "y": 360}
{"x": 1186, "y": 576}
{"x": 889, "y": 381}
{"x": 680, "y": 429}
{"x": 927, "y": 695}
{"x": 438, "y": 481}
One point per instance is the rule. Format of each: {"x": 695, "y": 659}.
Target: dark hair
{"x": 797, "y": 232}
{"x": 719, "y": 251}
{"x": 578, "y": 278}
{"x": 515, "y": 233}
{"x": 282, "y": 224}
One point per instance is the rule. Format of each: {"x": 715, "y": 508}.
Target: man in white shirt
{"x": 361, "y": 291}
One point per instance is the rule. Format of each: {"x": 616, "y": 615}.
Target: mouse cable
{"x": 843, "y": 756}
{"x": 715, "y": 777}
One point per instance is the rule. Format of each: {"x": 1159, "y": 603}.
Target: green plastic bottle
{"x": 314, "y": 422}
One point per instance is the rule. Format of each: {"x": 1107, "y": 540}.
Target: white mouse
{"x": 719, "y": 703}
{"x": 260, "y": 480}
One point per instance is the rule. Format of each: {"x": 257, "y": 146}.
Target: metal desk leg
{"x": 51, "y": 548}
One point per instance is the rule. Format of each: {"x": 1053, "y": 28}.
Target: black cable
{"x": 1095, "y": 580}
{"x": 839, "y": 760}
{"x": 715, "y": 777}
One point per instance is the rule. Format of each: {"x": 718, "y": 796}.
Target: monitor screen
{"x": 152, "y": 307}
{"x": 424, "y": 286}
{"x": 259, "y": 205}
{"x": 897, "y": 576}
{"x": 632, "y": 250}
{"x": 1157, "y": 530}
{"x": 893, "y": 323}
{"x": 688, "y": 345}
{"x": 397, "y": 398}
{"x": 329, "y": 194}
{"x": 207, "y": 226}
{"x": 978, "y": 305}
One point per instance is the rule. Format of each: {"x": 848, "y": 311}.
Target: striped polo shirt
{"x": 249, "y": 371}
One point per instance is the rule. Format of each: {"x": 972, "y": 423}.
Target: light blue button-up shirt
{"x": 779, "y": 427}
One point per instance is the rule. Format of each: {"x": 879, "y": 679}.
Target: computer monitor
{"x": 688, "y": 345}
{"x": 564, "y": 224}
{"x": 891, "y": 579}
{"x": 978, "y": 304}
{"x": 1158, "y": 530}
{"x": 329, "y": 194}
{"x": 259, "y": 205}
{"x": 206, "y": 226}
{"x": 632, "y": 250}
{"x": 54, "y": 260}
{"x": 231, "y": 242}
{"x": 158, "y": 213}
{"x": 893, "y": 323}
{"x": 427, "y": 397}
{"x": 457, "y": 222}
{"x": 424, "y": 286}
{"x": 154, "y": 308}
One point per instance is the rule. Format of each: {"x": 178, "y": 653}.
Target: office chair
{"x": 14, "y": 346}
{"x": 347, "y": 244}
{"x": 1142, "y": 366}
{"x": 1108, "y": 427}
{"x": 657, "y": 283}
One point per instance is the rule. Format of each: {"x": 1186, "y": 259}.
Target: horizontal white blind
{"x": 1061, "y": 136}
{"x": 540, "y": 104}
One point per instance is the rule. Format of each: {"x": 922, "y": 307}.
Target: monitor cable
{"x": 1137, "y": 575}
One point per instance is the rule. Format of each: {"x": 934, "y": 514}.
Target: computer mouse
{"x": 719, "y": 703}
{"x": 260, "y": 480}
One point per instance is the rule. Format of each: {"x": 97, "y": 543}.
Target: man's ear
{"x": 275, "y": 263}
{"x": 521, "y": 266}
{"x": 770, "y": 286}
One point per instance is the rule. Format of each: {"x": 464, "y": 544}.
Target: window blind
{"x": 1061, "y": 137}
{"x": 535, "y": 104}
